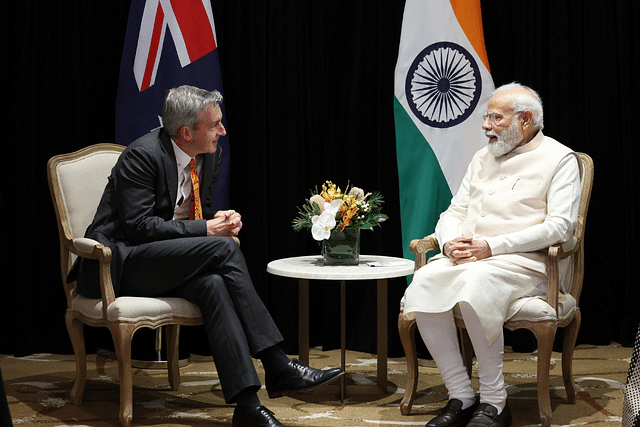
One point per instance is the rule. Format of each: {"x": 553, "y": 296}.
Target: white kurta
{"x": 520, "y": 203}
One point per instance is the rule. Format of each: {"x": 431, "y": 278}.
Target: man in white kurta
{"x": 520, "y": 195}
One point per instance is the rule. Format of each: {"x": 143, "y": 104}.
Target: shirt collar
{"x": 182, "y": 158}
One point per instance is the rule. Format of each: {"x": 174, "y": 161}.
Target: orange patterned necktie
{"x": 195, "y": 207}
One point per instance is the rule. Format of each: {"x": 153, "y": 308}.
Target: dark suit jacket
{"x": 138, "y": 203}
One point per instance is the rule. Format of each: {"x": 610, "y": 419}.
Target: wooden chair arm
{"x": 91, "y": 249}
{"x": 553, "y": 274}
{"x": 420, "y": 247}
{"x": 555, "y": 254}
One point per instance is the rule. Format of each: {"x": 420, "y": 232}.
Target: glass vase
{"x": 342, "y": 247}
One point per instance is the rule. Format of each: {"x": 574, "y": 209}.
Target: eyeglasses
{"x": 495, "y": 117}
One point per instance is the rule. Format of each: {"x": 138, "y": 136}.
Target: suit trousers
{"x": 210, "y": 272}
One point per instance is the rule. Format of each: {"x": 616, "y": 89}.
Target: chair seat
{"x": 132, "y": 309}
{"x": 538, "y": 310}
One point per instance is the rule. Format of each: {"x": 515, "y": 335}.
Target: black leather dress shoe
{"x": 299, "y": 377}
{"x": 453, "y": 415}
{"x": 258, "y": 417}
{"x": 487, "y": 416}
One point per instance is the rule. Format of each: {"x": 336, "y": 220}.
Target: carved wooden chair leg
{"x": 122, "y": 335}
{"x": 544, "y": 333}
{"x": 569, "y": 344}
{"x": 407, "y": 330}
{"x": 466, "y": 348}
{"x": 76, "y": 334}
{"x": 173, "y": 355}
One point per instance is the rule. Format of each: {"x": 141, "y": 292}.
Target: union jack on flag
{"x": 168, "y": 43}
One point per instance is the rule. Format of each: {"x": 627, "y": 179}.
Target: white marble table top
{"x": 312, "y": 267}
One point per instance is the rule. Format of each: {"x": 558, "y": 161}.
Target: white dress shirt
{"x": 183, "y": 200}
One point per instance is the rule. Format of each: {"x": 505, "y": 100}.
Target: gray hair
{"x": 525, "y": 102}
{"x": 183, "y": 106}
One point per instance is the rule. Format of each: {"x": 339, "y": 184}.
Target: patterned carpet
{"x": 38, "y": 392}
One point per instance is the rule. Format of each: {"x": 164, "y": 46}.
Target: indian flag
{"x": 442, "y": 86}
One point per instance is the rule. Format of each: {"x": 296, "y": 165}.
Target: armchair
{"x": 76, "y": 183}
{"x": 542, "y": 317}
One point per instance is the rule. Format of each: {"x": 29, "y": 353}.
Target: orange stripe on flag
{"x": 470, "y": 19}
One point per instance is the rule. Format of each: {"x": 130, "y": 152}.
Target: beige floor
{"x": 38, "y": 392}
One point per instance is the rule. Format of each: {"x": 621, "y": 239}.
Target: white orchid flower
{"x": 323, "y": 224}
{"x": 332, "y": 207}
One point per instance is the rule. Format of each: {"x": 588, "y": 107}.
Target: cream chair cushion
{"x": 133, "y": 309}
{"x": 534, "y": 309}
{"x": 537, "y": 309}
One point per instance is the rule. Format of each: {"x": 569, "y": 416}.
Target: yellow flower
{"x": 330, "y": 192}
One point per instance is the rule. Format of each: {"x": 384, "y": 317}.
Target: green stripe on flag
{"x": 424, "y": 192}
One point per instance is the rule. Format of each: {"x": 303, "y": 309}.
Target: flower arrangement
{"x": 332, "y": 209}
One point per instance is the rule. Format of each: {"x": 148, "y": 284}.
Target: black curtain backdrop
{"x": 309, "y": 97}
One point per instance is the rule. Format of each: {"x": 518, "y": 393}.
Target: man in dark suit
{"x": 146, "y": 216}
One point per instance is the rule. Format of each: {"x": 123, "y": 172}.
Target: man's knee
{"x": 224, "y": 246}
{"x": 206, "y": 289}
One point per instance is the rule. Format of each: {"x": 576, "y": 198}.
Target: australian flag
{"x": 168, "y": 43}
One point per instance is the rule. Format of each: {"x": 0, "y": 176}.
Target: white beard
{"x": 507, "y": 140}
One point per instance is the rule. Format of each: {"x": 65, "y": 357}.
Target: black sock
{"x": 273, "y": 359}
{"x": 247, "y": 400}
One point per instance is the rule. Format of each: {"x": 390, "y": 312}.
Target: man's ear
{"x": 526, "y": 118}
{"x": 185, "y": 133}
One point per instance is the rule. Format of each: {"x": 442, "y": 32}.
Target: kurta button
{"x": 502, "y": 177}
{"x": 483, "y": 214}
{"x": 491, "y": 192}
